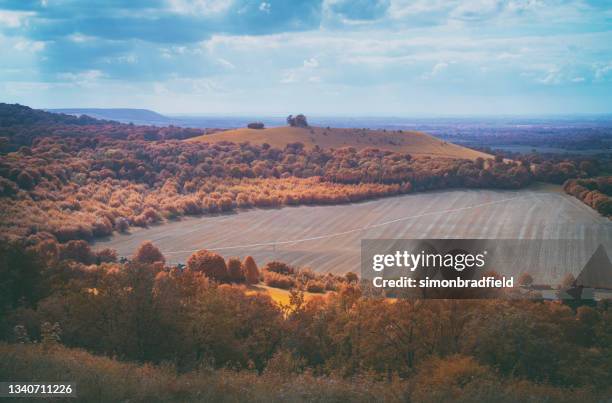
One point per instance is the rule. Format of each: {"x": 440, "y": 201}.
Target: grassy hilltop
{"x": 412, "y": 142}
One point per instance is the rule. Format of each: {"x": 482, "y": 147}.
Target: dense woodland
{"x": 142, "y": 330}
{"x": 203, "y": 321}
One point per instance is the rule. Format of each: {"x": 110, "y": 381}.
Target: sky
{"x": 319, "y": 57}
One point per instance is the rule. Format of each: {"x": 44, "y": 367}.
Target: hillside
{"x": 20, "y": 115}
{"x": 124, "y": 115}
{"x": 20, "y": 125}
{"x": 415, "y": 143}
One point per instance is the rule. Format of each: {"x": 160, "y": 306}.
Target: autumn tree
{"x": 235, "y": 272}
{"x": 351, "y": 277}
{"x": 209, "y": 263}
{"x": 251, "y": 272}
{"x": 77, "y": 250}
{"x": 106, "y": 255}
{"x": 148, "y": 253}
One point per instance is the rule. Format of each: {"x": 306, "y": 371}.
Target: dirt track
{"x": 327, "y": 238}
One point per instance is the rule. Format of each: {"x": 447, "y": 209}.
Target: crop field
{"x": 328, "y": 238}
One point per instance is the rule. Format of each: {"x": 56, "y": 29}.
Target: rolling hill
{"x": 417, "y": 144}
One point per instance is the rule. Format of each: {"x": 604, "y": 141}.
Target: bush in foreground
{"x": 455, "y": 379}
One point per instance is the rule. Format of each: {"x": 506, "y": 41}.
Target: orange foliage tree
{"x": 251, "y": 272}
{"x": 209, "y": 263}
{"x": 148, "y": 253}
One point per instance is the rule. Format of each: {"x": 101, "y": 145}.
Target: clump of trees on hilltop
{"x": 297, "y": 121}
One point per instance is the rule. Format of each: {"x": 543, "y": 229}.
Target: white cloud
{"x": 84, "y": 78}
{"x": 311, "y": 63}
{"x": 288, "y": 77}
{"x": 80, "y": 38}
{"x": 226, "y": 64}
{"x": 14, "y": 19}
{"x": 436, "y": 70}
{"x": 129, "y": 58}
{"x": 399, "y": 9}
{"x": 508, "y": 56}
{"x": 553, "y": 76}
{"x": 265, "y": 7}
{"x": 602, "y": 70}
{"x": 199, "y": 7}
{"x": 29, "y": 46}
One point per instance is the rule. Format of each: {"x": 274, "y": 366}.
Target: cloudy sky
{"x": 325, "y": 57}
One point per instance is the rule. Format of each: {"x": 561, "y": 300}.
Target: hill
{"x": 20, "y": 115}
{"x": 124, "y": 115}
{"x": 415, "y": 143}
{"x": 20, "y": 125}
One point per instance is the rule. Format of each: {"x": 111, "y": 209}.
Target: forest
{"x": 199, "y": 329}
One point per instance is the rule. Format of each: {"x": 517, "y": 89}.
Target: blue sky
{"x": 324, "y": 57}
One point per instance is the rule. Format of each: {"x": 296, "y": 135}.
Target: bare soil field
{"x": 418, "y": 144}
{"x": 327, "y": 238}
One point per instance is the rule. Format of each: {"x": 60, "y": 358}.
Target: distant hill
{"x": 20, "y": 125}
{"x": 21, "y": 115}
{"x": 412, "y": 142}
{"x": 124, "y": 115}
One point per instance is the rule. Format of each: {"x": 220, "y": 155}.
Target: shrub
{"x": 331, "y": 284}
{"x": 443, "y": 379}
{"x": 277, "y": 280}
{"x": 305, "y": 275}
{"x": 279, "y": 267}
{"x": 285, "y": 363}
{"x": 315, "y": 286}
{"x": 208, "y": 263}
